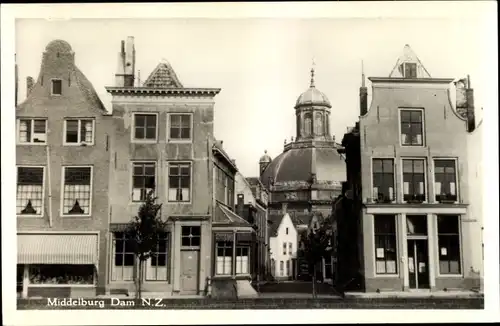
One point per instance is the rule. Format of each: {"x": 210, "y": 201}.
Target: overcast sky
{"x": 262, "y": 65}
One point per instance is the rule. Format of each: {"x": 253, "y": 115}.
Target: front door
{"x": 189, "y": 271}
{"x": 418, "y": 261}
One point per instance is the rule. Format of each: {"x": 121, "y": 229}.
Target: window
{"x": 284, "y": 248}
{"x": 383, "y": 180}
{"x": 445, "y": 182}
{"x": 61, "y": 274}
{"x": 385, "y": 244}
{"x": 416, "y": 224}
{"x": 449, "y": 244}
{"x": 290, "y": 248}
{"x": 282, "y": 267}
{"x": 145, "y": 127}
{"x": 79, "y": 131}
{"x": 318, "y": 124}
{"x": 29, "y": 197}
{"x": 411, "y": 128}
{"x": 414, "y": 180}
{"x": 409, "y": 69}
{"x": 242, "y": 259}
{"x": 180, "y": 126}
{"x": 157, "y": 268}
{"x": 307, "y": 124}
{"x": 32, "y": 131}
{"x": 77, "y": 190}
{"x": 143, "y": 180}
{"x": 56, "y": 87}
{"x": 179, "y": 182}
{"x": 224, "y": 251}
{"x": 286, "y": 230}
{"x": 288, "y": 267}
{"x": 122, "y": 268}
{"x": 191, "y": 236}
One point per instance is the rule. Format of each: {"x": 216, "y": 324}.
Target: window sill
{"x": 77, "y": 216}
{"x": 31, "y": 144}
{"x": 386, "y": 275}
{"x": 138, "y": 141}
{"x": 78, "y": 144}
{"x": 62, "y": 285}
{"x": 177, "y": 202}
{"x": 450, "y": 276}
{"x": 179, "y": 141}
{"x": 29, "y": 216}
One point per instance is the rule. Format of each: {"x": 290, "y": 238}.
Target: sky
{"x": 263, "y": 65}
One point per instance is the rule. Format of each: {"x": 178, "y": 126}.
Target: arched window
{"x": 318, "y": 124}
{"x": 307, "y": 124}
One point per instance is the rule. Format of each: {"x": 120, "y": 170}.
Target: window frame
{"x": 460, "y": 249}
{"x": 394, "y": 196}
{"x": 396, "y": 247}
{"x": 225, "y": 247}
{"x": 184, "y": 247}
{"x": 79, "y": 143}
{"x": 400, "y": 135}
{"x": 169, "y": 164}
{"x": 52, "y": 86}
{"x": 191, "y": 124}
{"x": 32, "y": 129}
{"x": 457, "y": 181}
{"x": 132, "y": 164}
{"x": 63, "y": 285}
{"x": 284, "y": 245}
{"x": 113, "y": 259}
{"x": 426, "y": 190}
{"x": 404, "y": 64}
{"x": 42, "y": 213}
{"x": 63, "y": 175}
{"x": 290, "y": 247}
{"x": 248, "y": 264}
{"x": 135, "y": 140}
{"x": 167, "y": 252}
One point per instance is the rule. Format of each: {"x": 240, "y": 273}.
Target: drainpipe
{"x": 49, "y": 184}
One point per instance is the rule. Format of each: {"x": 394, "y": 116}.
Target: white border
{"x": 91, "y": 199}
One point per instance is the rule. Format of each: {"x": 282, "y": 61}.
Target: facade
{"x": 283, "y": 246}
{"x": 414, "y": 228}
{"x": 62, "y": 157}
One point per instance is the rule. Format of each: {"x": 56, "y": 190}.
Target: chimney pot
{"x": 29, "y": 84}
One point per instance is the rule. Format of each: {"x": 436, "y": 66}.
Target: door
{"x": 418, "y": 261}
{"x": 189, "y": 271}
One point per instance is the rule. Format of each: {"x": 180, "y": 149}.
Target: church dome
{"x": 313, "y": 96}
{"x": 265, "y": 158}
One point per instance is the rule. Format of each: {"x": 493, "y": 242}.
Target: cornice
{"x": 164, "y": 91}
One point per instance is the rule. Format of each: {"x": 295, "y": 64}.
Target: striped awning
{"x": 71, "y": 249}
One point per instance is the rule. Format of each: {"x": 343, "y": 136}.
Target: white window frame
{"x": 397, "y": 220}
{"x": 63, "y": 174}
{"x": 31, "y": 143}
{"x": 42, "y": 213}
{"x": 394, "y": 174}
{"x": 232, "y": 265}
{"x": 422, "y": 110}
{"x": 156, "y": 268}
{"x": 426, "y": 186}
{"x": 132, "y": 132}
{"x": 132, "y": 163}
{"x": 80, "y": 142}
{"x": 457, "y": 181}
{"x": 460, "y": 242}
{"x": 112, "y": 262}
{"x": 190, "y": 163}
{"x": 240, "y": 262}
{"x": 191, "y": 124}
{"x": 52, "y": 86}
{"x": 404, "y": 69}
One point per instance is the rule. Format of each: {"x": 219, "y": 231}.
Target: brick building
{"x": 62, "y": 158}
{"x": 408, "y": 170}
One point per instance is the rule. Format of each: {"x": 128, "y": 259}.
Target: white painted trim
{"x": 131, "y": 179}
{"x": 91, "y": 199}
{"x": 457, "y": 180}
{"x": 31, "y": 143}
{"x": 52, "y": 86}
{"x": 167, "y": 175}
{"x": 426, "y": 183}
{"x": 416, "y": 210}
{"x": 374, "y": 261}
{"x": 42, "y": 213}
{"x": 191, "y": 130}
{"x": 132, "y": 131}
{"x": 431, "y": 249}
{"x": 79, "y": 142}
{"x": 424, "y": 138}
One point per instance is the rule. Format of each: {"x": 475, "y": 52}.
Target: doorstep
{"x": 414, "y": 294}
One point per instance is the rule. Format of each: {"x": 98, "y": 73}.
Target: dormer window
{"x": 56, "y": 87}
{"x": 409, "y": 69}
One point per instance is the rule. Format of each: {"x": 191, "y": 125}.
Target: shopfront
{"x": 57, "y": 264}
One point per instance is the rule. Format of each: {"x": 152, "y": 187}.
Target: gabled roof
{"x": 88, "y": 90}
{"x": 163, "y": 76}
{"x": 224, "y": 216}
{"x": 275, "y": 221}
{"x": 409, "y": 56}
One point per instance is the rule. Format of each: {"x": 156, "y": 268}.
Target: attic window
{"x": 409, "y": 69}
{"x": 56, "y": 87}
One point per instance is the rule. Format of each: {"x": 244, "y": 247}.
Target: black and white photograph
{"x": 279, "y": 162}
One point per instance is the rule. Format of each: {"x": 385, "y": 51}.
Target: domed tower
{"x": 309, "y": 173}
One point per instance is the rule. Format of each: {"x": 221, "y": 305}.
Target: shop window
{"x": 385, "y": 244}
{"x": 411, "y": 127}
{"x": 77, "y": 190}
{"x": 143, "y": 180}
{"x": 179, "y": 182}
{"x": 445, "y": 182}
{"x": 449, "y": 244}
{"x": 157, "y": 267}
{"x": 61, "y": 274}
{"x": 414, "y": 180}
{"x": 29, "y": 197}
{"x": 383, "y": 180}
{"x": 242, "y": 260}
{"x": 191, "y": 236}
{"x": 122, "y": 268}
{"x": 224, "y": 251}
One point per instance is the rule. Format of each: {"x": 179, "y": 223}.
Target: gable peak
{"x": 409, "y": 65}
{"x": 163, "y": 76}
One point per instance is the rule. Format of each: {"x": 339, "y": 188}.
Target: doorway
{"x": 189, "y": 271}
{"x": 418, "y": 264}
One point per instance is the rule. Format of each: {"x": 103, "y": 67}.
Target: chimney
{"x": 363, "y": 93}
{"x": 120, "y": 69}
{"x": 240, "y": 205}
{"x": 29, "y": 85}
{"x": 129, "y": 62}
{"x": 471, "y": 118}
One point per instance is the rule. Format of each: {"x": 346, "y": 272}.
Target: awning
{"x": 71, "y": 249}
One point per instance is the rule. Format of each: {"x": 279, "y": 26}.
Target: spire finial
{"x": 312, "y": 73}
{"x": 362, "y": 74}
